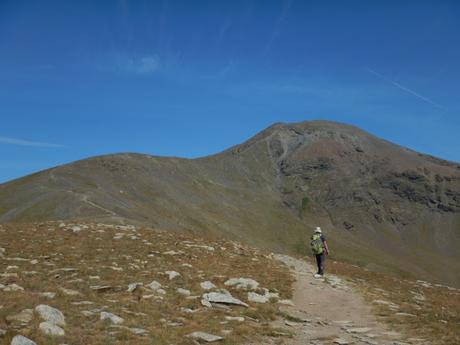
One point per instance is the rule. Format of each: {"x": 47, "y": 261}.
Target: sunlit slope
{"x": 381, "y": 205}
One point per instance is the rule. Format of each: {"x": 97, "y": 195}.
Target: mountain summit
{"x": 382, "y": 205}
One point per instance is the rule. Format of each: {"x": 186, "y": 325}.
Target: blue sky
{"x": 191, "y": 78}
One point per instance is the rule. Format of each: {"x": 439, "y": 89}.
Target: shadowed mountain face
{"x": 380, "y": 205}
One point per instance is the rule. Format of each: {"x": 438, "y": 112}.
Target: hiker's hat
{"x": 318, "y": 230}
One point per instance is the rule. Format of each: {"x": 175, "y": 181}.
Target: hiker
{"x": 320, "y": 250}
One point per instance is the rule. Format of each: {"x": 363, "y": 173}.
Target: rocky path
{"x": 329, "y": 311}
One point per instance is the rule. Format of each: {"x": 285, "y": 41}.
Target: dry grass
{"x": 138, "y": 256}
{"x": 434, "y": 310}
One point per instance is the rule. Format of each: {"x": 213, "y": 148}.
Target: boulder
{"x": 50, "y": 314}
{"x": 21, "y": 340}
{"x": 50, "y": 328}
{"x": 223, "y": 297}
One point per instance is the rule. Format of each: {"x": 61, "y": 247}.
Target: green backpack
{"x": 316, "y": 244}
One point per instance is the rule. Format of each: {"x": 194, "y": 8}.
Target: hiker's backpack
{"x": 316, "y": 244}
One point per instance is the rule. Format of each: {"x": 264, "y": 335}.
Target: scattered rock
{"x": 209, "y": 338}
{"x": 405, "y": 314}
{"x": 341, "y": 341}
{"x": 49, "y": 295}
{"x": 133, "y": 286}
{"x": 50, "y": 314}
{"x": 154, "y": 285}
{"x": 25, "y": 316}
{"x": 172, "y": 274}
{"x": 207, "y": 285}
{"x": 184, "y": 292}
{"x": 257, "y": 298}
{"x": 286, "y": 302}
{"x": 242, "y": 283}
{"x": 235, "y": 318}
{"x": 51, "y": 329}
{"x": 21, "y": 340}
{"x": 69, "y": 292}
{"x": 101, "y": 288}
{"x": 112, "y": 317}
{"x": 13, "y": 287}
{"x": 76, "y": 229}
{"x": 359, "y": 330}
{"x": 223, "y": 297}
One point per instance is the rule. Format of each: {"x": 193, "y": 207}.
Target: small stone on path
{"x": 359, "y": 330}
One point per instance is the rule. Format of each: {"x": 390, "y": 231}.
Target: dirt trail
{"x": 329, "y": 311}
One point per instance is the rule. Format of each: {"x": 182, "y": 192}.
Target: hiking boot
{"x": 318, "y": 275}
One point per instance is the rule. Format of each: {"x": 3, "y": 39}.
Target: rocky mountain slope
{"x": 89, "y": 283}
{"x": 381, "y": 205}
{"x": 96, "y": 284}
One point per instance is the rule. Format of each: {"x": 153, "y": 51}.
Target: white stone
{"x": 69, "y": 292}
{"x": 209, "y": 338}
{"x": 257, "y": 298}
{"x": 76, "y": 228}
{"x": 359, "y": 330}
{"x": 286, "y": 302}
{"x": 115, "y": 319}
{"x": 21, "y": 340}
{"x": 13, "y": 287}
{"x": 242, "y": 283}
{"x": 25, "y": 316}
{"x": 51, "y": 329}
{"x": 50, "y": 314}
{"x": 207, "y": 285}
{"x": 133, "y": 286}
{"x": 49, "y": 295}
{"x": 183, "y": 292}
{"x": 220, "y": 297}
{"x": 235, "y": 318}
{"x": 154, "y": 285}
{"x": 172, "y": 274}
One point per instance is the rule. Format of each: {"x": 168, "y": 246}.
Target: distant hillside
{"x": 381, "y": 205}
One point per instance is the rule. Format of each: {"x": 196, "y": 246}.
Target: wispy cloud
{"x": 139, "y": 65}
{"x": 287, "y": 4}
{"x": 404, "y": 88}
{"x": 223, "y": 72}
{"x": 21, "y": 142}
